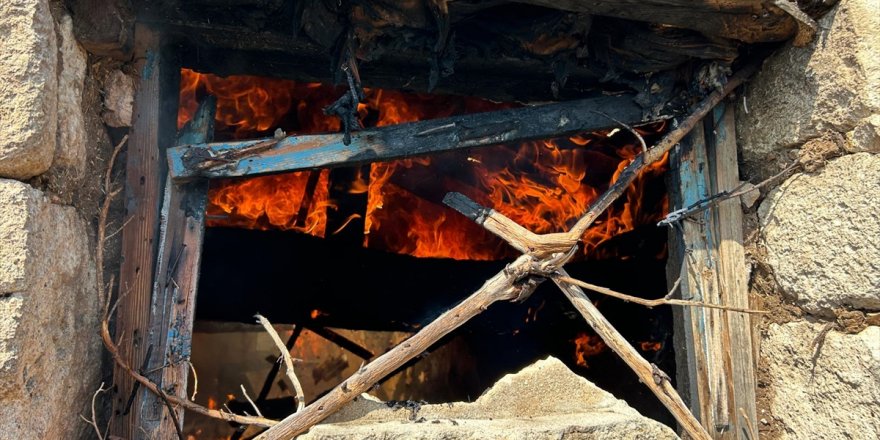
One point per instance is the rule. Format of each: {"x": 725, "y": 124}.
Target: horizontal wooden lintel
{"x": 263, "y": 156}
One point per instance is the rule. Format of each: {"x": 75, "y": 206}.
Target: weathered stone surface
{"x": 28, "y": 88}
{"x": 822, "y": 234}
{"x": 49, "y": 350}
{"x": 865, "y": 137}
{"x": 543, "y": 401}
{"x": 827, "y": 391}
{"x": 831, "y": 84}
{"x": 70, "y": 152}
{"x": 118, "y": 99}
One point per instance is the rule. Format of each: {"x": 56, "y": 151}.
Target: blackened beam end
{"x": 466, "y": 206}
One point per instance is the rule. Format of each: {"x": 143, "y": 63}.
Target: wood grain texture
{"x": 412, "y": 139}
{"x": 175, "y": 283}
{"x": 740, "y": 364}
{"x": 143, "y": 181}
{"x": 718, "y": 365}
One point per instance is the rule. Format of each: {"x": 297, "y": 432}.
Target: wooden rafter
{"x": 244, "y": 158}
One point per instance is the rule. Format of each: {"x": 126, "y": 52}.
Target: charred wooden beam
{"x": 174, "y": 284}
{"x": 153, "y": 126}
{"x": 750, "y": 21}
{"x": 497, "y": 78}
{"x": 244, "y": 158}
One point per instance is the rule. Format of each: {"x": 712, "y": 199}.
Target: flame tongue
{"x": 542, "y": 185}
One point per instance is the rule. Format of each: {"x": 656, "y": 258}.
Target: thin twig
{"x": 253, "y": 405}
{"x": 94, "y": 421}
{"x": 627, "y": 127}
{"x": 118, "y": 230}
{"x": 172, "y": 413}
{"x": 184, "y": 403}
{"x": 649, "y": 303}
{"x": 195, "y": 381}
{"x": 102, "y": 224}
{"x": 673, "y": 288}
{"x": 288, "y": 362}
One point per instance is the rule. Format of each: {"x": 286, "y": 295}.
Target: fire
{"x": 650, "y": 346}
{"x": 543, "y": 185}
{"x": 586, "y": 346}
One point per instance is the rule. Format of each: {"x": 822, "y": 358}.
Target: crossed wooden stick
{"x": 543, "y": 257}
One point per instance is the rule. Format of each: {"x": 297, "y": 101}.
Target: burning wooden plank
{"x": 244, "y": 158}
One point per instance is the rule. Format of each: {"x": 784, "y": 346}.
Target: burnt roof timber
{"x": 749, "y": 21}
{"x": 263, "y": 156}
{"x": 623, "y": 51}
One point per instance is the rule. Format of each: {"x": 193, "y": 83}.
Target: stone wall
{"x": 53, "y": 150}
{"x": 815, "y": 238}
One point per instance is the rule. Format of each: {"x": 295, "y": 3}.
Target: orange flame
{"x": 650, "y": 346}
{"x": 542, "y": 185}
{"x": 585, "y": 346}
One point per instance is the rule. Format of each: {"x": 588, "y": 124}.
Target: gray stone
{"x": 822, "y": 234}
{"x": 118, "y": 99}
{"x": 543, "y": 401}
{"x": 750, "y": 195}
{"x": 70, "y": 152}
{"x": 49, "y": 349}
{"x": 28, "y": 88}
{"x": 826, "y": 390}
{"x": 831, "y": 84}
{"x": 865, "y": 137}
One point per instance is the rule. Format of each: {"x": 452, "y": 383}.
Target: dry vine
{"x": 649, "y": 303}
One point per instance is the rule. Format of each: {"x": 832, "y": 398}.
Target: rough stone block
{"x": 49, "y": 349}
{"x": 543, "y": 401}
{"x": 118, "y": 99}
{"x": 17, "y": 205}
{"x": 822, "y": 233}
{"x": 826, "y": 390}
{"x": 831, "y": 84}
{"x": 865, "y": 137}
{"x": 70, "y": 153}
{"x": 28, "y": 88}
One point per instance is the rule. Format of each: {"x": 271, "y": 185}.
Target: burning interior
{"x": 369, "y": 176}
{"x": 275, "y": 243}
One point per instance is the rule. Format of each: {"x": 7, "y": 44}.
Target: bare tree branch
{"x": 288, "y": 362}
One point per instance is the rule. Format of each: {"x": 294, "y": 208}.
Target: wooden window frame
{"x": 162, "y": 240}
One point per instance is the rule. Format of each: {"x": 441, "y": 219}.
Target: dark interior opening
{"x": 349, "y": 301}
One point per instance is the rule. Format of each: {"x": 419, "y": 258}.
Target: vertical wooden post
{"x": 154, "y": 125}
{"x": 176, "y": 280}
{"x": 716, "y": 363}
{"x": 741, "y": 364}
